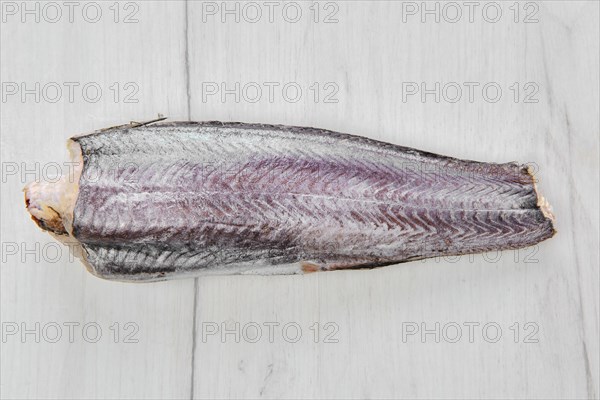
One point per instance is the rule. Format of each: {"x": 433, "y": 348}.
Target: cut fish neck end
{"x": 542, "y": 203}
{"x": 51, "y": 202}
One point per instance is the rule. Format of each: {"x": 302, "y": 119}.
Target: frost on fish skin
{"x": 182, "y": 199}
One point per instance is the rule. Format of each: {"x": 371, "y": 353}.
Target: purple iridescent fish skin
{"x": 182, "y": 199}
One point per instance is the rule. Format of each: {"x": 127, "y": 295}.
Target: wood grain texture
{"x": 49, "y": 290}
{"x": 177, "y": 54}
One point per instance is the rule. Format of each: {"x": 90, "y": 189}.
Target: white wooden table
{"x": 508, "y": 325}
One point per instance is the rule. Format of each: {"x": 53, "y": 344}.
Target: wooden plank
{"x": 550, "y": 291}
{"x": 145, "y": 61}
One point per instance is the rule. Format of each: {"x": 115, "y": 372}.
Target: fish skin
{"x": 180, "y": 199}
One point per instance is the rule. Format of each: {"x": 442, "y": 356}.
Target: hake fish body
{"x": 173, "y": 200}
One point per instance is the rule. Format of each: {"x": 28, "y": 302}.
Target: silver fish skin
{"x": 182, "y": 199}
